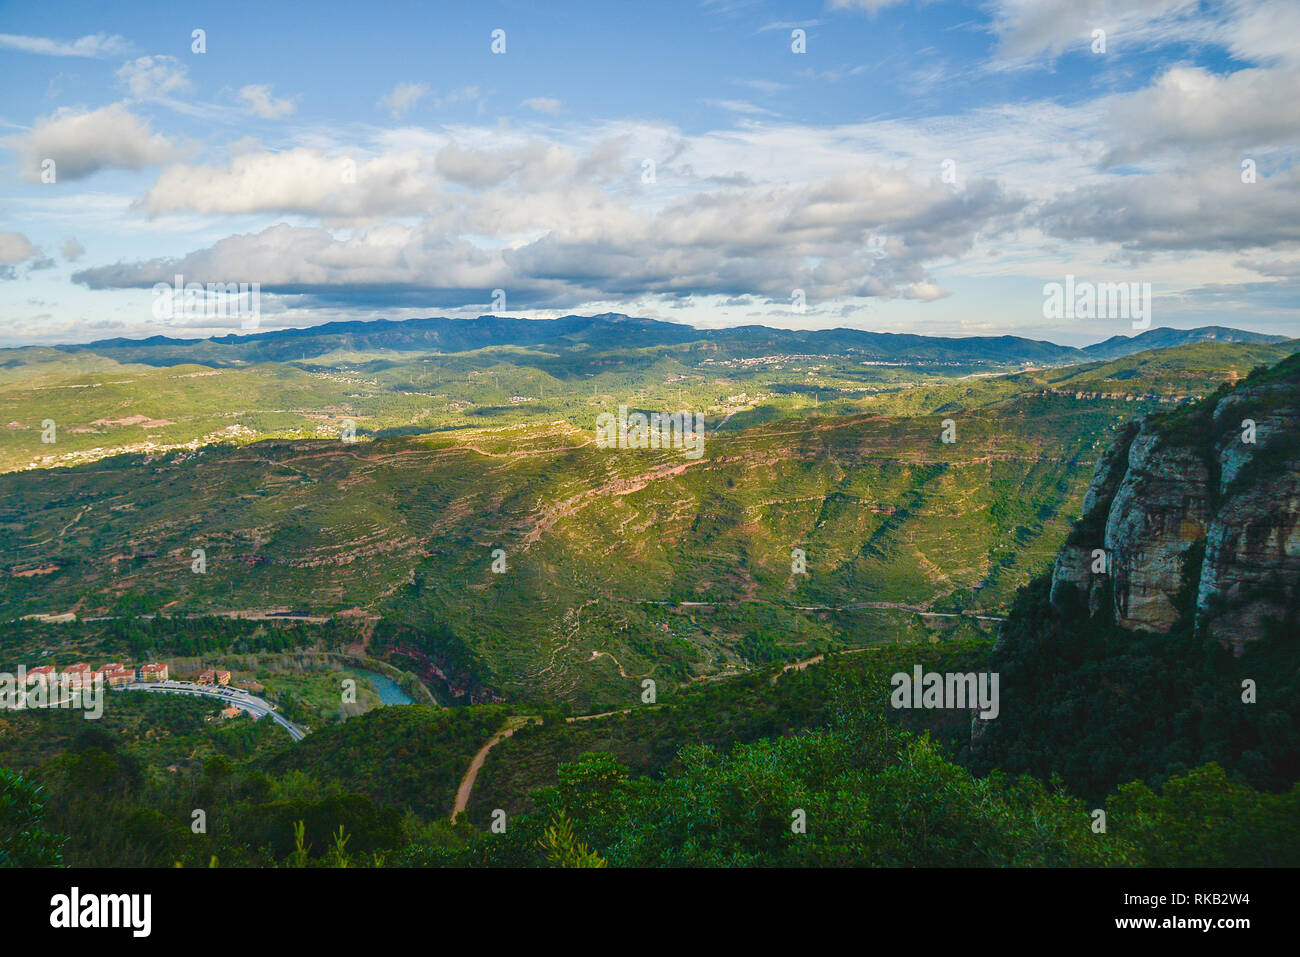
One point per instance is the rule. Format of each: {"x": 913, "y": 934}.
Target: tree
{"x": 23, "y": 840}
{"x": 563, "y": 849}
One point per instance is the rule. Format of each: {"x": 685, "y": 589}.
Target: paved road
{"x": 235, "y": 697}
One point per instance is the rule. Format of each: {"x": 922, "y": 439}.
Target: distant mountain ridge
{"x": 611, "y": 330}
{"x": 1118, "y": 346}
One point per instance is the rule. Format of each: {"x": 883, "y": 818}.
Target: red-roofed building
{"x": 156, "y": 671}
{"x": 115, "y": 675}
{"x": 77, "y": 675}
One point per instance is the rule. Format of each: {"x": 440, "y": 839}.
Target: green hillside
{"x": 620, "y": 565}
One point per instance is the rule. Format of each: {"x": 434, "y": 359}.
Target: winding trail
{"x": 818, "y": 659}
{"x": 512, "y": 725}
{"x": 516, "y": 722}
{"x": 603, "y": 714}
{"x": 851, "y": 606}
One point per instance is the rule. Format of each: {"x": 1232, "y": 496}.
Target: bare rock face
{"x": 1160, "y": 510}
{"x": 1252, "y": 549}
{"x": 1074, "y": 584}
{"x": 1206, "y": 504}
{"x": 1110, "y": 470}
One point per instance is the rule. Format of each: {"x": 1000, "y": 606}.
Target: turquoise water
{"x": 386, "y": 688}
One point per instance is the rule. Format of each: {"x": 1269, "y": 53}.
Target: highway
{"x": 235, "y": 697}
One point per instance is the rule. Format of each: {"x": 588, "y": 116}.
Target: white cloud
{"x": 871, "y": 6}
{"x": 924, "y": 291}
{"x": 1283, "y": 268}
{"x": 1206, "y": 207}
{"x": 543, "y": 104}
{"x": 152, "y": 77}
{"x": 1264, "y": 31}
{"x": 82, "y": 143}
{"x": 402, "y": 98}
{"x": 1030, "y": 29}
{"x": 464, "y": 94}
{"x": 559, "y": 240}
{"x": 261, "y": 103}
{"x": 408, "y": 180}
{"x": 741, "y": 106}
{"x": 472, "y": 167}
{"x": 559, "y": 216}
{"x": 300, "y": 180}
{"x": 15, "y": 248}
{"x": 532, "y": 166}
{"x": 95, "y": 45}
{"x": 784, "y": 25}
{"x": 1190, "y": 108}
{"x": 312, "y": 259}
{"x": 763, "y": 86}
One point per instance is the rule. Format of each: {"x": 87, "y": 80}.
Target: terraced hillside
{"x": 619, "y": 565}
{"x": 615, "y": 565}
{"x": 79, "y": 404}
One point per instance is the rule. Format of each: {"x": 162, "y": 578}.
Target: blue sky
{"x": 921, "y": 167}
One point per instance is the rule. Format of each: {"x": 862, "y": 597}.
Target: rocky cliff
{"x": 1195, "y": 514}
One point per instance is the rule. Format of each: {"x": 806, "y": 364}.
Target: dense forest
{"x": 1100, "y": 705}
{"x": 802, "y": 768}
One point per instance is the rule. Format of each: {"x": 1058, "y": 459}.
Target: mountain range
{"x": 614, "y": 330}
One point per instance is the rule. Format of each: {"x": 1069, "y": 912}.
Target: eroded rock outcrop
{"x": 1196, "y": 513}
{"x": 1073, "y": 581}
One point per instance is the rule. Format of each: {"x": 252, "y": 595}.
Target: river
{"x": 386, "y": 688}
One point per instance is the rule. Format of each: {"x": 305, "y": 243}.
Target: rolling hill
{"x": 620, "y": 565}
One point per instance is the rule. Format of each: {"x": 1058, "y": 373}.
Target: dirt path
{"x": 603, "y": 714}
{"x": 818, "y": 659}
{"x": 799, "y": 666}
{"x": 546, "y": 518}
{"x": 512, "y": 725}
{"x": 65, "y": 528}
{"x": 852, "y": 606}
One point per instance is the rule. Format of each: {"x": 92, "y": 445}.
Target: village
{"x": 112, "y": 674}
{"x": 116, "y": 674}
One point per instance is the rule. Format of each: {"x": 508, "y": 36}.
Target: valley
{"x": 493, "y": 559}
{"x": 618, "y": 564}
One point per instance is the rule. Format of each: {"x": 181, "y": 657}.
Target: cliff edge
{"x": 1196, "y": 513}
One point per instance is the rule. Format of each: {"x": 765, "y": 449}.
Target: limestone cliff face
{"x": 1159, "y": 512}
{"x": 1073, "y": 578}
{"x": 1204, "y": 502}
{"x": 1252, "y": 549}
